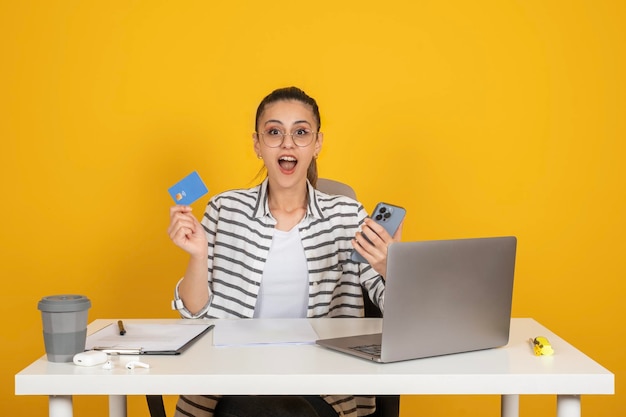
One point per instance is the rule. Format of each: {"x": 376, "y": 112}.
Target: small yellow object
{"x": 541, "y": 346}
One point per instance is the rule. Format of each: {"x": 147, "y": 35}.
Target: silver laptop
{"x": 441, "y": 297}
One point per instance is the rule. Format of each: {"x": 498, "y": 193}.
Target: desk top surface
{"x": 312, "y": 369}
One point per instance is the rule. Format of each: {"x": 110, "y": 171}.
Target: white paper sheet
{"x": 242, "y": 332}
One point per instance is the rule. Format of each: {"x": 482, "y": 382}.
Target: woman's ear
{"x": 257, "y": 146}
{"x": 318, "y": 143}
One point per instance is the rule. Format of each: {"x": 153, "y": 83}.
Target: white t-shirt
{"x": 284, "y": 291}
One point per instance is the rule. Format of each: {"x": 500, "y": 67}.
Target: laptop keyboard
{"x": 368, "y": 349}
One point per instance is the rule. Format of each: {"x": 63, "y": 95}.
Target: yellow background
{"x": 484, "y": 117}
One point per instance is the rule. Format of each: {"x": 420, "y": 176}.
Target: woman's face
{"x": 287, "y": 164}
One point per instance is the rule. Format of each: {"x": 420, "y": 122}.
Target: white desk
{"x": 311, "y": 369}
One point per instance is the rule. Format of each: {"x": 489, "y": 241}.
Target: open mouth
{"x": 287, "y": 163}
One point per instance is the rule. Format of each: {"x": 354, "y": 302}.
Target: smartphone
{"x": 389, "y": 217}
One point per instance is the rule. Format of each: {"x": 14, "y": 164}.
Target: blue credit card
{"x": 188, "y": 190}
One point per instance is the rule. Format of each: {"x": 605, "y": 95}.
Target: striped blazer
{"x": 239, "y": 228}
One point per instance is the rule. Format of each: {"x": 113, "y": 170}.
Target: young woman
{"x": 280, "y": 249}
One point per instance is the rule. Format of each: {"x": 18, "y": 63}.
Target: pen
{"x": 118, "y": 350}
{"x": 120, "y": 325}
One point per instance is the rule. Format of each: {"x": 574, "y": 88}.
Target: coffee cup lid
{"x": 64, "y": 303}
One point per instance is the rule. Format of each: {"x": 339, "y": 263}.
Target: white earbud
{"x": 136, "y": 364}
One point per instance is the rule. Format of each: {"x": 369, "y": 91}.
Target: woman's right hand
{"x": 186, "y": 231}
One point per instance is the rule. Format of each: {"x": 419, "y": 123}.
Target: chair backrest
{"x": 335, "y": 187}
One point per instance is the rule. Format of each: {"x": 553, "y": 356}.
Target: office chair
{"x": 386, "y": 405}
{"x": 339, "y": 188}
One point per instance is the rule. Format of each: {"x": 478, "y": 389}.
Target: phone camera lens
{"x": 387, "y": 215}
{"x": 383, "y": 209}
{"x": 378, "y": 217}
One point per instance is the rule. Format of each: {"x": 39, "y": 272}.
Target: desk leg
{"x": 568, "y": 405}
{"x": 60, "y": 406}
{"x": 509, "y": 405}
{"x": 117, "y": 406}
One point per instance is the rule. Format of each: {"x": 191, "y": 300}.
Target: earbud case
{"x": 90, "y": 358}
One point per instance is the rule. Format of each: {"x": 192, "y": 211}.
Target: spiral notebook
{"x": 147, "y": 338}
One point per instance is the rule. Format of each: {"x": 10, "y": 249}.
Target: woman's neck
{"x": 288, "y": 206}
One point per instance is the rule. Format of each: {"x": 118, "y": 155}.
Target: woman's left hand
{"x": 376, "y": 251}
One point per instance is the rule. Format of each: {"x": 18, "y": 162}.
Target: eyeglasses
{"x": 274, "y": 138}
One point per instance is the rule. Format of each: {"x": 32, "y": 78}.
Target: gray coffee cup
{"x": 64, "y": 325}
